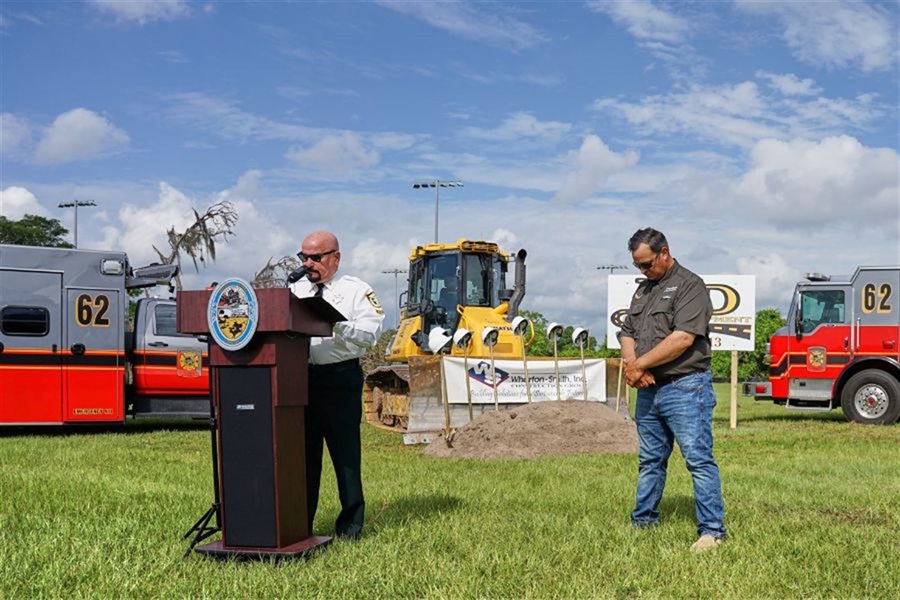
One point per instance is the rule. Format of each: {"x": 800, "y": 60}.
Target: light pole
{"x": 437, "y": 184}
{"x": 611, "y": 268}
{"x": 76, "y": 204}
{"x": 396, "y": 272}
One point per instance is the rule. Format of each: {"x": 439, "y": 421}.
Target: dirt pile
{"x": 541, "y": 429}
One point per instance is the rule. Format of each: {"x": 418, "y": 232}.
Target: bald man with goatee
{"x": 334, "y": 413}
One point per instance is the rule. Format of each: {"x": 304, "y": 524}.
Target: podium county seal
{"x": 232, "y": 314}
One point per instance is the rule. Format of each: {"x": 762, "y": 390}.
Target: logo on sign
{"x": 729, "y": 301}
{"x": 482, "y": 374}
{"x": 232, "y": 314}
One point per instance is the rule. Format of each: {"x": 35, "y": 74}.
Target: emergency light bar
{"x": 817, "y": 277}
{"x": 112, "y": 266}
{"x": 151, "y": 275}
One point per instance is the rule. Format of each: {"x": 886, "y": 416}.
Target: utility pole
{"x": 76, "y": 204}
{"x": 395, "y": 273}
{"x": 437, "y": 184}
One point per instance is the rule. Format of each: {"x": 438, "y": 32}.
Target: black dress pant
{"x": 333, "y": 416}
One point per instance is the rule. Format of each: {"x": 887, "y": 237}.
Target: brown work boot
{"x": 706, "y": 542}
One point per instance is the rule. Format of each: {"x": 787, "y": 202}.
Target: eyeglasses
{"x": 643, "y": 266}
{"x": 314, "y": 257}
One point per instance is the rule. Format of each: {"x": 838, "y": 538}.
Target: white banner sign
{"x": 733, "y": 324}
{"x": 509, "y": 379}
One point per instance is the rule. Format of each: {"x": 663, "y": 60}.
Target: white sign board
{"x": 733, "y": 323}
{"x": 509, "y": 379}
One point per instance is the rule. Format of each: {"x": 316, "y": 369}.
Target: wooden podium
{"x": 259, "y": 394}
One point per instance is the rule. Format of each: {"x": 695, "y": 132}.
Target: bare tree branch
{"x": 199, "y": 240}
{"x": 274, "y": 274}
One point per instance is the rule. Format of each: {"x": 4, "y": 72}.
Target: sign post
{"x": 734, "y": 374}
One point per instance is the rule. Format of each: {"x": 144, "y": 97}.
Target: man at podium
{"x": 334, "y": 413}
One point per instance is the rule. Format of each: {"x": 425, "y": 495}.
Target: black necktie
{"x": 320, "y": 287}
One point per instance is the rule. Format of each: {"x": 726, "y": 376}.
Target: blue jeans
{"x": 680, "y": 411}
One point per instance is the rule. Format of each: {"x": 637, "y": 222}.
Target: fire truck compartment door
{"x": 31, "y": 334}
{"x": 878, "y": 313}
{"x": 94, "y": 371}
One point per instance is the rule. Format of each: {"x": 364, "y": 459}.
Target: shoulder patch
{"x": 373, "y": 300}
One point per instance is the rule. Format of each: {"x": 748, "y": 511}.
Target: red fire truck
{"x": 840, "y": 347}
{"x": 65, "y": 354}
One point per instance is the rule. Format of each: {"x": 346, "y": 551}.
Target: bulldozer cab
{"x": 441, "y": 281}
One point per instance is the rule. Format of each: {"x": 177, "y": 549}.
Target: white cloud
{"x": 574, "y": 169}
{"x": 173, "y": 56}
{"x": 839, "y": 33}
{"x": 393, "y": 141}
{"x": 728, "y": 114}
{"x": 663, "y": 33}
{"x": 505, "y": 238}
{"x": 832, "y": 114}
{"x": 228, "y": 121}
{"x": 258, "y": 235}
{"x": 334, "y": 154}
{"x": 142, "y": 12}
{"x": 592, "y": 163}
{"x": 515, "y": 174}
{"x": 16, "y": 202}
{"x": 775, "y": 277}
{"x": 15, "y": 134}
{"x": 79, "y": 134}
{"x": 145, "y": 225}
{"x": 815, "y": 183}
{"x": 518, "y": 126}
{"x": 471, "y": 21}
{"x": 741, "y": 114}
{"x": 505, "y": 77}
{"x": 368, "y": 257}
{"x": 789, "y": 84}
{"x": 644, "y": 20}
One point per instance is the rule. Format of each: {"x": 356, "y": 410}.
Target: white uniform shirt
{"x": 355, "y": 299}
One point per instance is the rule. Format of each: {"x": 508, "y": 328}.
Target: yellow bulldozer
{"x": 451, "y": 288}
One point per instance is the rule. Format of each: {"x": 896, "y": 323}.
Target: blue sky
{"x": 761, "y": 137}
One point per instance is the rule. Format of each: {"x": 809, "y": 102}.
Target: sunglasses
{"x": 314, "y": 257}
{"x": 643, "y": 266}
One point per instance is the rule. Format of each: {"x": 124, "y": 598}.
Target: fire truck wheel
{"x": 872, "y": 397}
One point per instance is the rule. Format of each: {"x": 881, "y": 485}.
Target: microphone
{"x": 297, "y": 275}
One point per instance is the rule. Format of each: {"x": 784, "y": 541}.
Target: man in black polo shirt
{"x": 666, "y": 349}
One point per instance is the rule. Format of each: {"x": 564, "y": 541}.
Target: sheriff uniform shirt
{"x": 355, "y": 299}
{"x": 677, "y": 302}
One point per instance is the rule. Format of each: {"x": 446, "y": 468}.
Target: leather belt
{"x": 332, "y": 367}
{"x": 661, "y": 381}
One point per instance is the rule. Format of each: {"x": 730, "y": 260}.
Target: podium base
{"x": 297, "y": 550}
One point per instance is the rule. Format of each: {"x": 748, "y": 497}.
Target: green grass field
{"x": 812, "y": 509}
